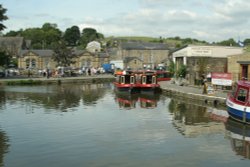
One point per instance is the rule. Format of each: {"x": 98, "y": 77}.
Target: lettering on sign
{"x": 201, "y": 51}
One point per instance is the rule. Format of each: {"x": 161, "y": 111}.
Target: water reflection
{"x": 239, "y": 135}
{"x": 2, "y": 99}
{"x": 4, "y": 146}
{"x": 193, "y": 120}
{"x": 130, "y": 101}
{"x": 61, "y": 98}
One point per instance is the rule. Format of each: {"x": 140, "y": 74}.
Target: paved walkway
{"x": 167, "y": 85}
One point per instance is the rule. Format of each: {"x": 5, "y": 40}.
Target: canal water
{"x": 92, "y": 126}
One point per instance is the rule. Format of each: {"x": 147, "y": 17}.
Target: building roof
{"x": 207, "y": 51}
{"x": 143, "y": 46}
{"x": 12, "y": 44}
{"x": 128, "y": 59}
{"x": 42, "y": 53}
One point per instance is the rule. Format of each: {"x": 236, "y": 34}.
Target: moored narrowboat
{"x": 238, "y": 102}
{"x": 163, "y": 75}
{"x": 126, "y": 82}
{"x": 147, "y": 82}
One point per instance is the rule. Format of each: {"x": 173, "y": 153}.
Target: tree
{"x": 182, "y": 71}
{"x": 51, "y": 34}
{"x": 4, "y": 59}
{"x": 13, "y": 33}
{"x": 2, "y": 17}
{"x": 62, "y": 54}
{"x": 72, "y": 35}
{"x": 229, "y": 42}
{"x": 88, "y": 35}
{"x": 172, "y": 67}
{"x": 42, "y": 38}
{"x": 246, "y": 42}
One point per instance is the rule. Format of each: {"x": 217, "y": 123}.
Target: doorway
{"x": 244, "y": 73}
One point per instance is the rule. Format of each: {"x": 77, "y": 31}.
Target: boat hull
{"x": 150, "y": 90}
{"x": 238, "y": 112}
{"x": 128, "y": 88}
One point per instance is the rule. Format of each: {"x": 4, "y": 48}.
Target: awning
{"x": 243, "y": 62}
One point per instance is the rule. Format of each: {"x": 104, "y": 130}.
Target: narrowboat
{"x": 125, "y": 82}
{"x": 147, "y": 82}
{"x": 237, "y": 102}
{"x": 163, "y": 75}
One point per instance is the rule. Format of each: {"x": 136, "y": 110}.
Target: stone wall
{"x": 210, "y": 65}
{"x": 149, "y": 57}
{"x": 235, "y": 68}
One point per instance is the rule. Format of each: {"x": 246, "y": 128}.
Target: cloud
{"x": 210, "y": 20}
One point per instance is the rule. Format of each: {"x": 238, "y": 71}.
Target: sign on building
{"x": 223, "y": 79}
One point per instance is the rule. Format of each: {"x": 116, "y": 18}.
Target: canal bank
{"x": 57, "y": 80}
{"x": 192, "y": 93}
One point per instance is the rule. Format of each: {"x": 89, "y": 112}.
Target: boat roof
{"x": 244, "y": 83}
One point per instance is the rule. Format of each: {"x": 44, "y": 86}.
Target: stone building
{"x": 201, "y": 60}
{"x": 143, "y": 53}
{"x": 42, "y": 59}
{"x": 36, "y": 59}
{"x": 133, "y": 62}
{"x": 239, "y": 66}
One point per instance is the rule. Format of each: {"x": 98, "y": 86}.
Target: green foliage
{"x": 172, "y": 67}
{"x": 182, "y": 71}
{"x": 229, "y": 42}
{"x": 62, "y": 54}
{"x": 4, "y": 59}
{"x": 246, "y": 42}
{"x": 88, "y": 35}
{"x": 2, "y": 17}
{"x": 42, "y": 38}
{"x": 13, "y": 33}
{"x": 25, "y": 82}
{"x": 72, "y": 36}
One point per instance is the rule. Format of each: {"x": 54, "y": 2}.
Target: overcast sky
{"x": 210, "y": 20}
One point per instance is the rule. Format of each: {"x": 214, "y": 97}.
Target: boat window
{"x": 154, "y": 79}
{"x": 242, "y": 95}
{"x": 149, "y": 79}
{"x": 127, "y": 79}
{"x": 122, "y": 79}
{"x": 118, "y": 79}
{"x": 144, "y": 80}
{"x": 132, "y": 79}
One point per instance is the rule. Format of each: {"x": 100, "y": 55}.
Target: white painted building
{"x": 93, "y": 47}
{"x": 203, "y": 59}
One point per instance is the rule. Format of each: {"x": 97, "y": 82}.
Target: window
{"x": 153, "y": 79}
{"x": 30, "y": 63}
{"x": 144, "y": 80}
{"x": 242, "y": 95}
{"x": 122, "y": 79}
{"x": 27, "y": 62}
{"x": 132, "y": 79}
{"x": 33, "y": 63}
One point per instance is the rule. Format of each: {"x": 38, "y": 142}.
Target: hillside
{"x": 174, "y": 42}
